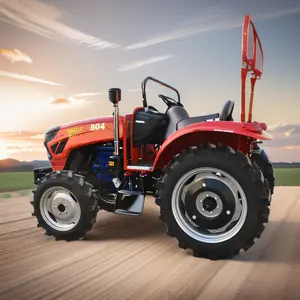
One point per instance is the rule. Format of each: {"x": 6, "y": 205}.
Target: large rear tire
{"x": 212, "y": 200}
{"x": 65, "y": 205}
{"x": 266, "y": 167}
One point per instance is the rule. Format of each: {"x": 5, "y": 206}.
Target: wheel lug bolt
{"x": 207, "y": 195}
{"x": 194, "y": 217}
{"x": 59, "y": 213}
{"x": 228, "y": 212}
{"x": 55, "y": 207}
{"x": 204, "y": 184}
{"x": 65, "y": 211}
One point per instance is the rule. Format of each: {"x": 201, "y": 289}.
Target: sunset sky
{"x": 58, "y": 59}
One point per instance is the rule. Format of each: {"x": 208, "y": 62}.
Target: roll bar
{"x": 252, "y": 61}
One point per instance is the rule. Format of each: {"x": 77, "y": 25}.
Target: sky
{"x": 59, "y": 58}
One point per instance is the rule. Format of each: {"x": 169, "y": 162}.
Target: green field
{"x": 287, "y": 176}
{"x": 15, "y": 181}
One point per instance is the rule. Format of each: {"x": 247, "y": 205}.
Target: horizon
{"x": 57, "y": 63}
{"x": 44, "y": 160}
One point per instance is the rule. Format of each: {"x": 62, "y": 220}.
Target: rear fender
{"x": 234, "y": 134}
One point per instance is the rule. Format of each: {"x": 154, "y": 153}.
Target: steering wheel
{"x": 168, "y": 100}
{"x": 226, "y": 113}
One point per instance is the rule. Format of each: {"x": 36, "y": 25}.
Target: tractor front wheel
{"x": 212, "y": 200}
{"x": 65, "y": 205}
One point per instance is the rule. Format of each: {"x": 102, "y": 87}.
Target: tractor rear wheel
{"x": 267, "y": 169}
{"x": 213, "y": 201}
{"x": 65, "y": 205}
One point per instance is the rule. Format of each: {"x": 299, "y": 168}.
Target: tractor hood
{"x": 98, "y": 120}
{"x": 62, "y": 139}
{"x": 105, "y": 120}
{"x": 104, "y": 125}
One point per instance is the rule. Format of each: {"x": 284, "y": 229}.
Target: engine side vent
{"x": 53, "y": 147}
{"x": 61, "y": 146}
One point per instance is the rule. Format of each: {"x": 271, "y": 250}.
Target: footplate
{"x": 129, "y": 203}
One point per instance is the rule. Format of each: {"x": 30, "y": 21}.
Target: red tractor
{"x": 211, "y": 181}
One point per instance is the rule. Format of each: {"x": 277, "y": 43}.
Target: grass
{"x": 5, "y": 196}
{"x": 15, "y": 181}
{"x": 23, "y": 181}
{"x": 287, "y": 176}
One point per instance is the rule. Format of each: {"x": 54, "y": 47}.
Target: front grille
{"x": 49, "y": 136}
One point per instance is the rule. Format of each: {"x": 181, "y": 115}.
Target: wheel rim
{"x": 60, "y": 209}
{"x": 206, "y": 213}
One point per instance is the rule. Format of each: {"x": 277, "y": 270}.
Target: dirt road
{"x": 132, "y": 258}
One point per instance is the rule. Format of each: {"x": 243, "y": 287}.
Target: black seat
{"x": 174, "y": 115}
{"x": 198, "y": 119}
{"x": 226, "y": 113}
{"x": 179, "y": 118}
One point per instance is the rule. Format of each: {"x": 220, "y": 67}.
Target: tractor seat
{"x": 179, "y": 118}
{"x": 198, "y": 119}
{"x": 226, "y": 113}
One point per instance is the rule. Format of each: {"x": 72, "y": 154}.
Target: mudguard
{"x": 203, "y": 132}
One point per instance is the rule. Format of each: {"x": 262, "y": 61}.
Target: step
{"x": 140, "y": 167}
{"x": 129, "y": 203}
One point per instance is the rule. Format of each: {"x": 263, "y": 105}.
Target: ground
{"x": 128, "y": 257}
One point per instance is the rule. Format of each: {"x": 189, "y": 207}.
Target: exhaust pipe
{"x": 115, "y": 98}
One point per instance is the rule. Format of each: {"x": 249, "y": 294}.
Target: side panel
{"x": 234, "y": 134}
{"x": 81, "y": 134}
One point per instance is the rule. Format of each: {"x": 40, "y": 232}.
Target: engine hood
{"x": 88, "y": 129}
{"x": 105, "y": 119}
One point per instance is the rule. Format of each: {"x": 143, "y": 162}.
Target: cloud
{"x": 279, "y": 13}
{"x": 145, "y": 62}
{"x": 88, "y": 94}
{"x": 38, "y": 136}
{"x": 73, "y": 99}
{"x": 34, "y": 147}
{"x": 16, "y": 56}
{"x": 216, "y": 20}
{"x": 42, "y": 19}
{"x": 21, "y": 135}
{"x": 67, "y": 101}
{"x": 23, "y": 142}
{"x": 286, "y": 135}
{"x": 27, "y": 78}
{"x": 178, "y": 34}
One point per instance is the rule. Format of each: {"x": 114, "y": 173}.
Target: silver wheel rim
{"x": 209, "y": 235}
{"x": 60, "y": 209}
